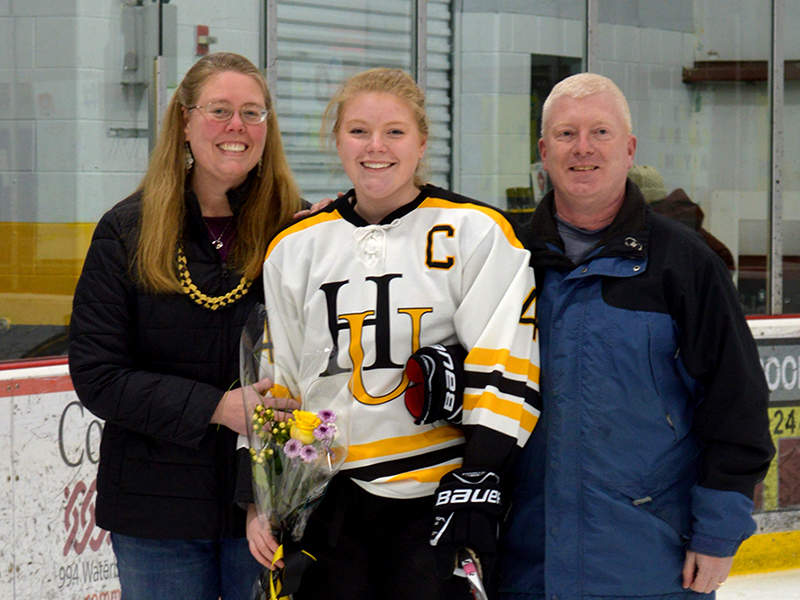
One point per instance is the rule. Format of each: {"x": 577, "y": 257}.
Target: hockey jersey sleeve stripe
{"x": 528, "y": 423}
{"x": 494, "y": 214}
{"x": 320, "y": 217}
{"x": 404, "y": 444}
{"x": 481, "y": 380}
{"x": 516, "y": 429}
{"x": 501, "y": 407}
{"x": 503, "y": 359}
{"x": 533, "y": 399}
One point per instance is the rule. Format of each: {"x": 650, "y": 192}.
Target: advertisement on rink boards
{"x": 50, "y": 547}
{"x": 778, "y": 342}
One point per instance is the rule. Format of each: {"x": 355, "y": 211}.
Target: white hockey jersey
{"x": 442, "y": 269}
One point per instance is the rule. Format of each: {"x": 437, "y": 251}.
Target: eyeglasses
{"x": 252, "y": 114}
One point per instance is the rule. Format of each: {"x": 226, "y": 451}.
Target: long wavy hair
{"x": 396, "y": 82}
{"x": 272, "y": 200}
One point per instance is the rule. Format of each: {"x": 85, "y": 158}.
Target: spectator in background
{"x": 678, "y": 206}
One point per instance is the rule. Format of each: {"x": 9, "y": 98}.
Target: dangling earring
{"x": 188, "y": 158}
{"x": 260, "y": 164}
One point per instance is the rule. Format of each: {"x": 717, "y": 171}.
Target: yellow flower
{"x": 304, "y": 424}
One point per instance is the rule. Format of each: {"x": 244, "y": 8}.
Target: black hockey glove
{"x": 437, "y": 375}
{"x": 466, "y": 515}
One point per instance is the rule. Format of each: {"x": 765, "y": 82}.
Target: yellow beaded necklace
{"x": 199, "y": 297}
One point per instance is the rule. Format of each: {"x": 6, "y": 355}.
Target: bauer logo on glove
{"x": 437, "y": 376}
{"x": 466, "y": 516}
{"x": 473, "y": 496}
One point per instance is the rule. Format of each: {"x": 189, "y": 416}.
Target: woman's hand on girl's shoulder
{"x": 316, "y": 207}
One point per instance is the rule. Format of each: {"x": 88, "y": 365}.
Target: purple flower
{"x": 326, "y": 415}
{"x": 308, "y": 454}
{"x": 325, "y": 431}
{"x": 293, "y": 448}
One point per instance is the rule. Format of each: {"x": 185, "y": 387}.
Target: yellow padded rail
{"x": 768, "y": 552}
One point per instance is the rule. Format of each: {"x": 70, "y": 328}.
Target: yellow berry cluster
{"x": 268, "y": 428}
{"x": 259, "y": 457}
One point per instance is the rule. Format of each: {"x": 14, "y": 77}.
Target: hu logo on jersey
{"x": 380, "y": 320}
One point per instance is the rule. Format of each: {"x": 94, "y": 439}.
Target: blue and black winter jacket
{"x": 654, "y": 430}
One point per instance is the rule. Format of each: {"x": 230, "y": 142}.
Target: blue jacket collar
{"x": 627, "y": 236}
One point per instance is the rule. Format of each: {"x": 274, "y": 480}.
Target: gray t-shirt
{"x": 578, "y": 242}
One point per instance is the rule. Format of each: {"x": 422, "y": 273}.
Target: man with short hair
{"x": 638, "y": 481}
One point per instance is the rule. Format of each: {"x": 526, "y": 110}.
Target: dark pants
{"x": 373, "y": 548}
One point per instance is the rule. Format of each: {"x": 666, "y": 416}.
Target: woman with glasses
{"x": 171, "y": 275}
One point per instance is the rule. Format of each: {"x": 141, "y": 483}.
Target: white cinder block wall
{"x": 703, "y": 138}
{"x": 672, "y": 130}
{"x": 60, "y": 79}
{"x": 495, "y": 96}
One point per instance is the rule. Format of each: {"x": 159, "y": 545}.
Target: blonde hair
{"x": 583, "y": 85}
{"x": 396, "y": 82}
{"x": 273, "y": 197}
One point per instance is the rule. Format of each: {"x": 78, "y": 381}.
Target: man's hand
{"x": 262, "y": 545}
{"x": 705, "y": 574}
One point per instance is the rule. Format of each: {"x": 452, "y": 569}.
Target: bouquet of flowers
{"x": 294, "y": 453}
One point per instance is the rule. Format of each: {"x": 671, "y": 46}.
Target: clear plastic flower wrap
{"x": 294, "y": 453}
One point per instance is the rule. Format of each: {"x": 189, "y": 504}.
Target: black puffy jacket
{"x": 154, "y": 367}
